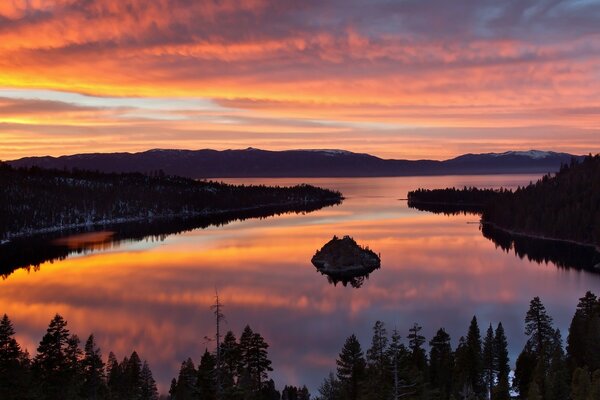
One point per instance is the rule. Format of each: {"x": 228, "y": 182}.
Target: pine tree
{"x": 330, "y": 388}
{"x": 557, "y": 387}
{"x": 230, "y": 361}
{"x": 255, "y": 364}
{"x": 14, "y": 373}
{"x": 415, "y": 344}
{"x": 489, "y": 365}
{"x": 206, "y": 382}
{"x": 403, "y": 384}
{"x": 115, "y": 377}
{"x": 93, "y": 386}
{"x": 52, "y": 364}
{"x": 501, "y": 362}
{"x": 187, "y": 381}
{"x": 583, "y": 343}
{"x": 475, "y": 364}
{"x": 132, "y": 376}
{"x": 148, "y": 390}
{"x": 378, "y": 369}
{"x": 538, "y": 327}
{"x": 441, "y": 364}
{"x": 525, "y": 365}
{"x": 580, "y": 385}
{"x": 351, "y": 367}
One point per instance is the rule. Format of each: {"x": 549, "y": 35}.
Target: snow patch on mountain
{"x": 534, "y": 154}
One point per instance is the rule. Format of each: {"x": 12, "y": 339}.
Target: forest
{"x": 391, "y": 368}
{"x": 34, "y": 200}
{"x": 565, "y": 205}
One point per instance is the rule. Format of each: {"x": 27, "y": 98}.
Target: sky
{"x": 398, "y": 79}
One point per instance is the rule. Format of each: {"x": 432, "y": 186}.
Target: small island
{"x": 344, "y": 260}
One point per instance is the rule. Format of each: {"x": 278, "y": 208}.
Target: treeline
{"x": 561, "y": 206}
{"x": 62, "y": 370}
{"x": 31, "y": 251}
{"x": 34, "y": 199}
{"x": 479, "y": 367}
{"x": 564, "y": 206}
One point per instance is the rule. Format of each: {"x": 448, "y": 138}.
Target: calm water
{"x": 154, "y": 296}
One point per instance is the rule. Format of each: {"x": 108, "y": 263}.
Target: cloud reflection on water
{"x": 436, "y": 270}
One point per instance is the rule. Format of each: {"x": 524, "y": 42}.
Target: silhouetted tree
{"x": 14, "y": 364}
{"x": 501, "y": 363}
{"x": 148, "y": 390}
{"x": 93, "y": 386}
{"x": 207, "y": 388}
{"x": 351, "y": 367}
{"x": 441, "y": 365}
{"x": 53, "y": 365}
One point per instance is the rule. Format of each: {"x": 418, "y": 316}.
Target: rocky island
{"x": 344, "y": 260}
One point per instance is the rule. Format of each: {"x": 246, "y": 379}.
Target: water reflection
{"x": 154, "y": 297}
{"x": 30, "y": 252}
{"x": 562, "y": 254}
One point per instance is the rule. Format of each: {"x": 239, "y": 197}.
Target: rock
{"x": 343, "y": 259}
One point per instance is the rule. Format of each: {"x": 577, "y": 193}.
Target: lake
{"x": 154, "y": 295}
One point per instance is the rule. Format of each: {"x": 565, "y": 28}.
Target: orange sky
{"x": 405, "y": 79}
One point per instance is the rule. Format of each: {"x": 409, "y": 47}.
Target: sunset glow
{"x": 398, "y": 79}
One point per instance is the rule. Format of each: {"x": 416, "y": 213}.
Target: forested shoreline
{"x": 564, "y": 206}
{"x": 34, "y": 200}
{"x": 478, "y": 368}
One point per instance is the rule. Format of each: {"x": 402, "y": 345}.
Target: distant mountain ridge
{"x": 253, "y": 162}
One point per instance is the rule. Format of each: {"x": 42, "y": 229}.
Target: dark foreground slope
{"x": 298, "y": 163}
{"x": 36, "y": 200}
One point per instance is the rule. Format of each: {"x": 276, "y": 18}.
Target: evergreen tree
{"x": 441, "y": 364}
{"x": 525, "y": 365}
{"x": 403, "y": 384}
{"x": 255, "y": 363}
{"x": 415, "y": 344}
{"x": 378, "y": 368}
{"x": 13, "y": 364}
{"x": 148, "y": 390}
{"x": 557, "y": 387}
{"x": 93, "y": 386}
{"x": 330, "y": 388}
{"x": 230, "y": 361}
{"x": 538, "y": 327}
{"x": 580, "y": 386}
{"x": 489, "y": 364}
{"x": 351, "y": 367}
{"x": 583, "y": 343}
{"x": 132, "y": 377}
{"x": 501, "y": 362}
{"x": 115, "y": 377}
{"x": 52, "y": 365}
{"x": 187, "y": 381}
{"x": 206, "y": 382}
{"x": 475, "y": 364}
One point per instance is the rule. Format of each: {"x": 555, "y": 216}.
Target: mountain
{"x": 252, "y": 162}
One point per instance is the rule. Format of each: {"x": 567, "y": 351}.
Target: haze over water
{"x": 154, "y": 296}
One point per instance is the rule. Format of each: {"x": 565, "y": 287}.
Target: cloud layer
{"x": 301, "y": 74}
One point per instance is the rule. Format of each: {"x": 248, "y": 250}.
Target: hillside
{"x": 298, "y": 163}
{"x": 38, "y": 200}
{"x": 563, "y": 206}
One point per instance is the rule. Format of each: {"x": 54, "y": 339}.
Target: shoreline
{"x": 124, "y": 220}
{"x": 540, "y": 237}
